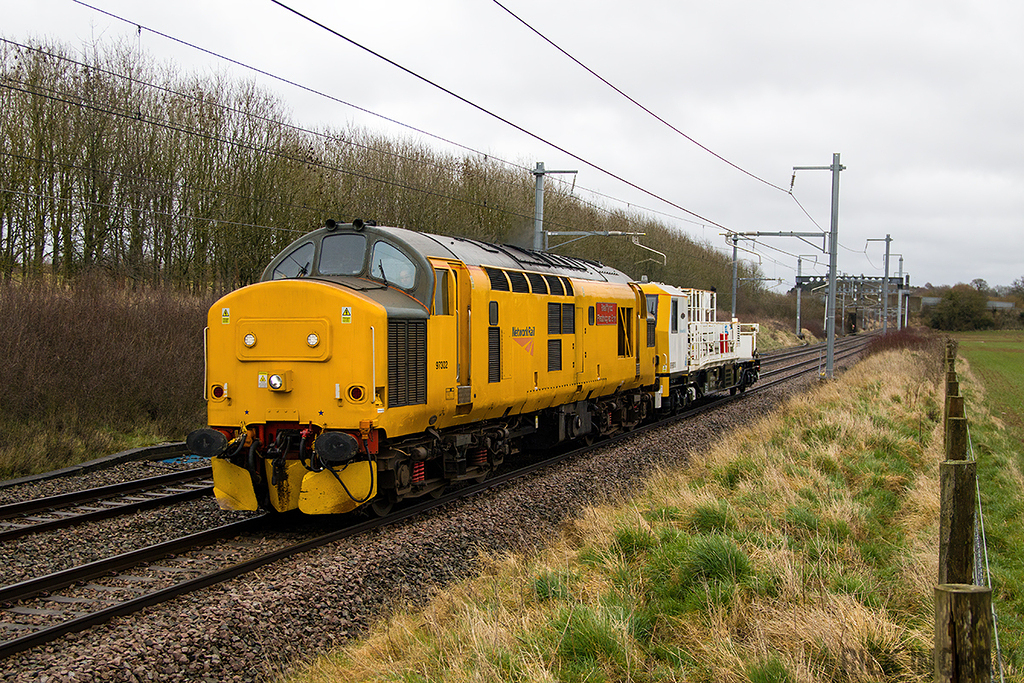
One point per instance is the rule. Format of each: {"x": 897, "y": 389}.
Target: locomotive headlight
{"x": 249, "y": 340}
{"x": 276, "y": 382}
{"x": 313, "y": 339}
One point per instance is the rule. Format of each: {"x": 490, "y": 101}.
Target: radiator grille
{"x": 407, "y": 362}
{"x": 554, "y": 318}
{"x": 554, "y": 355}
{"x": 493, "y": 354}
{"x": 568, "y": 318}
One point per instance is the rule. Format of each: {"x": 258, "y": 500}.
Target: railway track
{"x": 40, "y": 610}
{"x": 778, "y": 366}
{"x": 56, "y": 512}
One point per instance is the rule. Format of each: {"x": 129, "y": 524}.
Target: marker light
{"x": 249, "y": 340}
{"x": 276, "y": 382}
{"x": 313, "y": 339}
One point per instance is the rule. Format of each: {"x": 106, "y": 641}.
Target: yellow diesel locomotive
{"x": 373, "y": 364}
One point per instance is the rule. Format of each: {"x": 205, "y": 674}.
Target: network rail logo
{"x": 524, "y": 337}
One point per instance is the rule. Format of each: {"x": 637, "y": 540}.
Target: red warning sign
{"x": 607, "y": 314}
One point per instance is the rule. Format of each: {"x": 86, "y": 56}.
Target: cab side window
{"x": 441, "y": 292}
{"x": 296, "y": 264}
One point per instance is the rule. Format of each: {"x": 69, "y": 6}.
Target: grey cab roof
{"x": 475, "y": 252}
{"x": 415, "y": 302}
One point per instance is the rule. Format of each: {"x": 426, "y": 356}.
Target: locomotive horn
{"x": 335, "y": 448}
{"x": 331, "y": 224}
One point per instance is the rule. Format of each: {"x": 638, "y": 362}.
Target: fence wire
{"x": 983, "y": 577}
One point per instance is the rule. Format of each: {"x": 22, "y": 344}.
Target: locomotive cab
{"x": 356, "y": 255}
{"x": 298, "y": 381}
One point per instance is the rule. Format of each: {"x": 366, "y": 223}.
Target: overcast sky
{"x": 924, "y": 100}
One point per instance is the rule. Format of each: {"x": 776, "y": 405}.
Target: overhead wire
{"x": 270, "y": 75}
{"x": 234, "y": 110}
{"x": 55, "y": 95}
{"x": 295, "y": 84}
{"x": 702, "y": 220}
{"x": 498, "y": 117}
{"x": 638, "y": 104}
{"x": 653, "y": 114}
{"x": 319, "y": 93}
{"x": 70, "y": 99}
{"x": 806, "y": 213}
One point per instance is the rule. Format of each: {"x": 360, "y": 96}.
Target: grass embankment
{"x": 803, "y": 548}
{"x": 93, "y": 369}
{"x": 994, "y": 399}
{"x": 777, "y": 334}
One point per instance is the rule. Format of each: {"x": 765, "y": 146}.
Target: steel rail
{"x": 847, "y": 350}
{"x": 14, "y": 522}
{"x": 159, "y": 452}
{"x": 86, "y": 495}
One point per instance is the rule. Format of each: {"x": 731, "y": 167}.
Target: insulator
{"x": 419, "y": 470}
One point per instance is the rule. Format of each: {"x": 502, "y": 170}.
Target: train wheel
{"x": 381, "y": 506}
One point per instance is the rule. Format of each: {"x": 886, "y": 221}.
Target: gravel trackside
{"x": 255, "y": 627}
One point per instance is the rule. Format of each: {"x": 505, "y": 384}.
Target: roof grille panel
{"x": 519, "y": 283}
{"x": 498, "y": 281}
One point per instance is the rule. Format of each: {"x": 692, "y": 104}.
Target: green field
{"x": 996, "y": 359}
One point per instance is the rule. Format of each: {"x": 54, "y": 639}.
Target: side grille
{"x": 554, "y": 318}
{"x": 568, "y": 318}
{"x": 537, "y": 282}
{"x": 493, "y": 354}
{"x": 407, "y": 362}
{"x": 554, "y": 355}
{"x": 555, "y": 285}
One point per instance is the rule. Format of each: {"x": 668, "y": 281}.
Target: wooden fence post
{"x": 956, "y": 438}
{"x": 951, "y": 347}
{"x": 955, "y": 421}
{"x": 956, "y": 521}
{"x": 963, "y": 634}
{"x": 952, "y": 384}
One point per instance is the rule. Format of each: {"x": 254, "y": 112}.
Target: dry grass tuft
{"x": 800, "y": 549}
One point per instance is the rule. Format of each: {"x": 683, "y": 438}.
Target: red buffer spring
{"x": 479, "y": 457}
{"x": 419, "y": 470}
